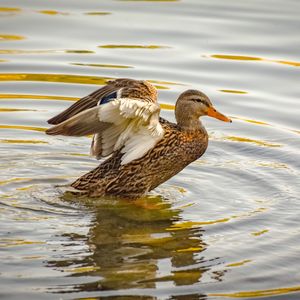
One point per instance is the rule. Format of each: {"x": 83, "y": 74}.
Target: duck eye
{"x": 199, "y": 101}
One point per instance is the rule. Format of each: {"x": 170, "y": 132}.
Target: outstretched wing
{"x": 131, "y": 125}
{"x": 136, "y": 88}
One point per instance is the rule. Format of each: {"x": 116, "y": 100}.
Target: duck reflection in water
{"x": 134, "y": 244}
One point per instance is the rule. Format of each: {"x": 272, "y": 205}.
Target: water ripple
{"x": 226, "y": 226}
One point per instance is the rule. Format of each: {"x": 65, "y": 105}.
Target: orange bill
{"x": 212, "y": 112}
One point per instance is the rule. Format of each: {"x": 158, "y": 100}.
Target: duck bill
{"x": 215, "y": 114}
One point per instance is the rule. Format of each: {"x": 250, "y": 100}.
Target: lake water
{"x": 227, "y": 226}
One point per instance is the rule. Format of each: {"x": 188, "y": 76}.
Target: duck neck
{"x": 185, "y": 120}
{"x": 189, "y": 124}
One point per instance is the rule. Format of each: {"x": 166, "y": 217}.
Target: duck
{"x": 142, "y": 149}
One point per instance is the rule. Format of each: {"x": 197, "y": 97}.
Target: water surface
{"x": 227, "y": 226}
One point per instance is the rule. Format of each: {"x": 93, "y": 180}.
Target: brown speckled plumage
{"x": 174, "y": 152}
{"x": 181, "y": 144}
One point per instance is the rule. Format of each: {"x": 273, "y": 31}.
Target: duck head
{"x": 193, "y": 104}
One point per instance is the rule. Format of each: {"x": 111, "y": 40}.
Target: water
{"x": 227, "y": 226}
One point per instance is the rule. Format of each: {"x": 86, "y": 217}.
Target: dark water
{"x": 227, "y": 226}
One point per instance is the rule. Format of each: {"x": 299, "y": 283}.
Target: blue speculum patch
{"x": 108, "y": 98}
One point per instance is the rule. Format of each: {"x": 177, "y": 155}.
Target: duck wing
{"x": 105, "y": 94}
{"x": 131, "y": 125}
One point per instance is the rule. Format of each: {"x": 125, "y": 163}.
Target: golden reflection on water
{"x": 82, "y": 269}
{"x": 126, "y": 242}
{"x": 235, "y": 57}
{"x": 165, "y": 82}
{"x": 15, "y": 51}
{"x": 258, "y": 233}
{"x": 134, "y": 46}
{"x": 16, "y": 179}
{"x": 79, "y": 51}
{"x": 67, "y": 78}
{"x": 259, "y": 293}
{"x": 5, "y": 242}
{"x": 183, "y": 225}
{"x": 253, "y": 58}
{"x": 52, "y": 12}
{"x": 291, "y": 63}
{"x": 238, "y": 264}
{"x": 97, "y": 13}
{"x": 252, "y": 141}
{"x": 233, "y": 91}
{"x": 7, "y": 141}
{"x": 15, "y": 109}
{"x": 265, "y": 124}
{"x": 273, "y": 165}
{"x": 9, "y": 9}
{"x": 251, "y": 121}
{"x": 193, "y": 224}
{"x": 11, "y": 37}
{"x": 102, "y": 66}
{"x": 167, "y": 106}
{"x": 37, "y": 97}
{"x": 20, "y": 127}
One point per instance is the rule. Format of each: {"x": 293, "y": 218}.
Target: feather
{"x": 138, "y": 145}
{"x": 84, "y": 123}
{"x": 128, "y": 124}
{"x": 96, "y": 146}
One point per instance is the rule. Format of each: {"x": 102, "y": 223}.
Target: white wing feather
{"x": 138, "y": 145}
{"x": 134, "y": 126}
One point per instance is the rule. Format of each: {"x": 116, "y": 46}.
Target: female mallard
{"x": 145, "y": 150}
